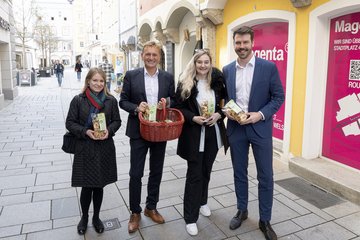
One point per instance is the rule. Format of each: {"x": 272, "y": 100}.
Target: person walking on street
{"x": 108, "y": 69}
{"x": 143, "y": 88}
{"x": 94, "y": 164}
{"x": 59, "y": 71}
{"x": 254, "y": 84}
{"x": 199, "y": 95}
{"x": 119, "y": 68}
{"x": 78, "y": 69}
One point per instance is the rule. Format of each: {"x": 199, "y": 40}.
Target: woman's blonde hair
{"x": 90, "y": 75}
{"x": 186, "y": 79}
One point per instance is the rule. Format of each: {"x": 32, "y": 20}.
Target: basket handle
{"x": 163, "y": 103}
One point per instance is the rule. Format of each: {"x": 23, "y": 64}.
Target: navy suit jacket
{"x": 266, "y": 94}
{"x": 133, "y": 93}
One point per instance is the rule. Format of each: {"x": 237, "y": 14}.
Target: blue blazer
{"x": 133, "y": 93}
{"x": 266, "y": 94}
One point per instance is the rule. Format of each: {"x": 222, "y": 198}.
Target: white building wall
{"x": 58, "y": 14}
{"x": 8, "y": 88}
{"x": 128, "y": 31}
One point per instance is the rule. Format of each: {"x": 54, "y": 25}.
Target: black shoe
{"x": 98, "y": 225}
{"x": 266, "y": 228}
{"x": 238, "y": 219}
{"x": 82, "y": 226}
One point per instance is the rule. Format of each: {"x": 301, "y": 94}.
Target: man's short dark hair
{"x": 244, "y": 30}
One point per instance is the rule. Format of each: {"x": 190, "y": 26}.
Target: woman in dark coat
{"x": 199, "y": 96}
{"x": 78, "y": 67}
{"x": 94, "y": 163}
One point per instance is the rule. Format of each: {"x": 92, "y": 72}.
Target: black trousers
{"x": 198, "y": 177}
{"x": 139, "y": 148}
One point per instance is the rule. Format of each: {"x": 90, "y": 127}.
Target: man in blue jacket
{"x": 254, "y": 84}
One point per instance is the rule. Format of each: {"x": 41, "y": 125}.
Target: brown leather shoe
{"x": 154, "y": 215}
{"x": 133, "y": 224}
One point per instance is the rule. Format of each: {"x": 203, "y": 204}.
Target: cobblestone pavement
{"x": 37, "y": 201}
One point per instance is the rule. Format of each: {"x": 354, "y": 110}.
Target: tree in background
{"x": 25, "y": 18}
{"x": 45, "y": 38}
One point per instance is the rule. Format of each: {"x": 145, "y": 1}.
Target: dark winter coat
{"x": 78, "y": 67}
{"x": 94, "y": 160}
{"x": 59, "y": 68}
{"x": 189, "y": 140}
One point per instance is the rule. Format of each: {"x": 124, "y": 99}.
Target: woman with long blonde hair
{"x": 199, "y": 94}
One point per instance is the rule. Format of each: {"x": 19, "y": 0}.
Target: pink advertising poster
{"x": 341, "y": 135}
{"x": 271, "y": 40}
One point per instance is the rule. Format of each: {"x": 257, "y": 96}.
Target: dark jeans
{"x": 138, "y": 150}
{"x": 108, "y": 85}
{"x": 59, "y": 78}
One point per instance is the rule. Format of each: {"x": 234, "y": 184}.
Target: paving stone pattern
{"x": 37, "y": 201}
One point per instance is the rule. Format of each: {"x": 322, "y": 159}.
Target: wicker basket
{"x": 162, "y": 131}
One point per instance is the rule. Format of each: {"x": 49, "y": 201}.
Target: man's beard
{"x": 243, "y": 54}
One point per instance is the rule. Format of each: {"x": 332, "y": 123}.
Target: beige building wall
{"x": 8, "y": 88}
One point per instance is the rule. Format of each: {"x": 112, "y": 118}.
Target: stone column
{"x": 142, "y": 39}
{"x": 300, "y": 3}
{"x": 8, "y": 63}
{"x": 207, "y": 21}
{"x": 208, "y": 32}
{"x": 172, "y": 35}
{"x": 159, "y": 35}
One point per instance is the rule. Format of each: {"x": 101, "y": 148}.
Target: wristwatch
{"x": 136, "y": 111}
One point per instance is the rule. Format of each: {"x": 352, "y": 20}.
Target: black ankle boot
{"x": 98, "y": 225}
{"x": 82, "y": 226}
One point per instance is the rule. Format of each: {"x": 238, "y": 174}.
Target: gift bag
{"x": 69, "y": 143}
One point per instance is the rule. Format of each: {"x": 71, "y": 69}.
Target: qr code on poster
{"x": 354, "y": 73}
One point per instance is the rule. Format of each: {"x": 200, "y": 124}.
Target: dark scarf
{"x": 97, "y": 103}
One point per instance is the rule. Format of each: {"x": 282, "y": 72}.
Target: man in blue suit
{"x": 254, "y": 84}
{"x": 144, "y": 87}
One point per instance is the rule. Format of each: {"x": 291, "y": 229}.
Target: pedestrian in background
{"x": 78, "y": 69}
{"x": 108, "y": 69}
{"x": 142, "y": 88}
{"x": 254, "y": 84}
{"x": 119, "y": 68}
{"x": 199, "y": 95}
{"x": 94, "y": 163}
{"x": 59, "y": 71}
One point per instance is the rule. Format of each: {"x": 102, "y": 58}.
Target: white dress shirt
{"x": 207, "y": 94}
{"x": 244, "y": 77}
{"x": 151, "y": 87}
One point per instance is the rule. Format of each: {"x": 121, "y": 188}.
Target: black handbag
{"x": 69, "y": 143}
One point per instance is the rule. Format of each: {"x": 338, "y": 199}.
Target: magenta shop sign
{"x": 271, "y": 41}
{"x": 341, "y": 134}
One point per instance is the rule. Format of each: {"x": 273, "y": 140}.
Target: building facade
{"x": 128, "y": 33}
{"x": 8, "y": 88}
{"x": 97, "y": 29}
{"x": 58, "y": 15}
{"x": 181, "y": 28}
{"x": 315, "y": 45}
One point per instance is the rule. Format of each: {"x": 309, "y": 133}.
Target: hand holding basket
{"x": 167, "y": 127}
